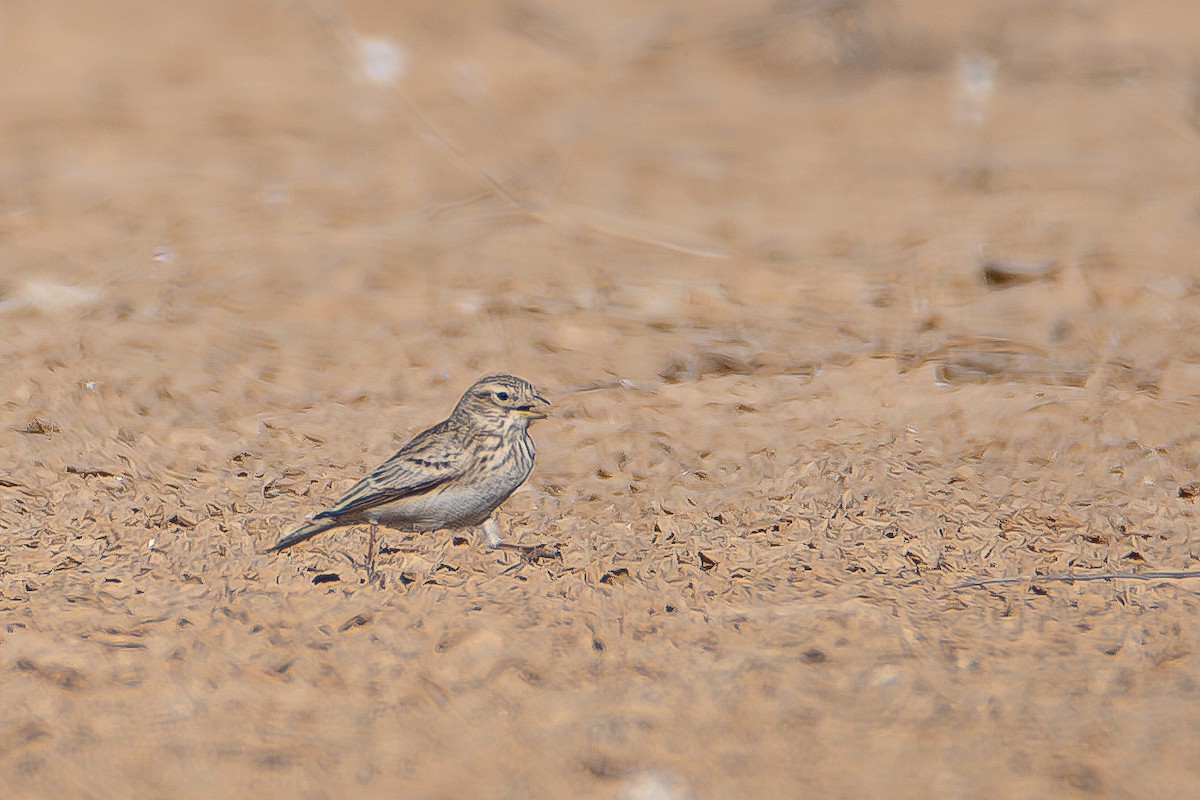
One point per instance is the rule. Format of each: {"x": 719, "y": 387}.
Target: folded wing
{"x": 423, "y": 464}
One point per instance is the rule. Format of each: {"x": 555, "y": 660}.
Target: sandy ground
{"x": 841, "y": 305}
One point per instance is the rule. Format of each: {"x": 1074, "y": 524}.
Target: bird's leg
{"x": 491, "y": 531}
{"x": 372, "y": 551}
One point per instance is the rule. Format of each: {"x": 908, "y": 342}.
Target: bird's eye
{"x": 501, "y": 395}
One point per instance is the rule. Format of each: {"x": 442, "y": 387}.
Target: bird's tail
{"x": 304, "y": 532}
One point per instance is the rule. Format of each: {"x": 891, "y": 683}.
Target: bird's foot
{"x": 530, "y": 553}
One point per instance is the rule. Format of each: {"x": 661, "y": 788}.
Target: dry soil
{"x": 841, "y": 305}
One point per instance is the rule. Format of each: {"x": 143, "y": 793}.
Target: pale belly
{"x": 448, "y": 507}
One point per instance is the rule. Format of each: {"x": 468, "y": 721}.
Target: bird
{"x": 453, "y": 475}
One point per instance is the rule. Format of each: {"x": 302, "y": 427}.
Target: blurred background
{"x": 412, "y": 173}
{"x": 840, "y": 303}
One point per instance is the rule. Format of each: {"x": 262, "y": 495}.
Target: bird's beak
{"x": 538, "y": 409}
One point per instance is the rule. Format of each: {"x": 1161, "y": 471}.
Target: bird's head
{"x": 504, "y": 402}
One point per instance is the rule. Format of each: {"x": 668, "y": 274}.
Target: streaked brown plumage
{"x": 453, "y": 475}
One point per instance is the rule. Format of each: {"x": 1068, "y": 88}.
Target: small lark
{"x": 453, "y": 475}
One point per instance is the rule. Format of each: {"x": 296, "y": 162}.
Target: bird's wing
{"x": 429, "y": 460}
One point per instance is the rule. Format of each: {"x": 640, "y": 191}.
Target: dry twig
{"x": 1082, "y": 577}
